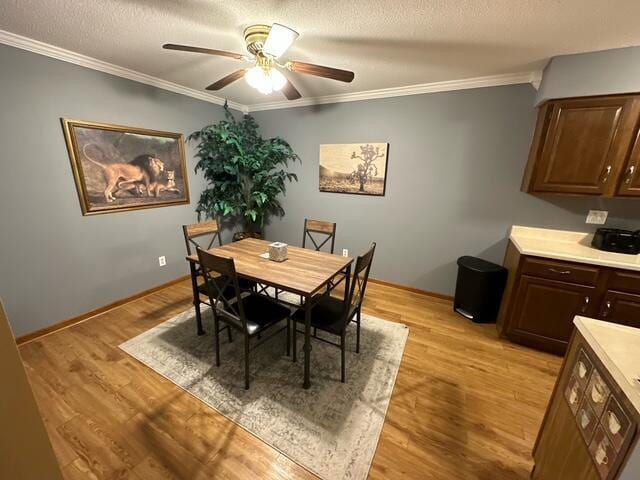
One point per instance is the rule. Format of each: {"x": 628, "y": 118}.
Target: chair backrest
{"x": 228, "y": 306}
{"x": 358, "y": 281}
{"x": 197, "y": 230}
{"x": 313, "y": 228}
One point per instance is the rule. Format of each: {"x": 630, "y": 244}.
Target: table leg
{"x": 307, "y": 343}
{"x": 196, "y": 296}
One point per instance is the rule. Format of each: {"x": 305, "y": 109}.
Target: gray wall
{"x": 455, "y": 165}
{"x": 55, "y": 263}
{"x": 593, "y": 73}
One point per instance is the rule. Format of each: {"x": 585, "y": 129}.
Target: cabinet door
{"x": 630, "y": 177}
{"x": 586, "y": 144}
{"x": 544, "y": 311}
{"x": 620, "y": 307}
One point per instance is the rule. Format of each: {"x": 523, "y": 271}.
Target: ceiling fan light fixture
{"x": 279, "y": 40}
{"x": 265, "y": 45}
{"x": 278, "y": 80}
{"x": 259, "y": 79}
{"x": 265, "y": 80}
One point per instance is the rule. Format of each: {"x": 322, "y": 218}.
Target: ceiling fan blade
{"x": 320, "y": 71}
{"x": 279, "y": 40}
{"x": 290, "y": 91}
{"x": 208, "y": 51}
{"x": 224, "y": 81}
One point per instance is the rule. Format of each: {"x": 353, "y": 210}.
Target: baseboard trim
{"x": 419, "y": 291}
{"x": 29, "y": 337}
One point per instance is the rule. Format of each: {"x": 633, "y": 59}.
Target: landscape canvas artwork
{"x": 358, "y": 168}
{"x": 120, "y": 168}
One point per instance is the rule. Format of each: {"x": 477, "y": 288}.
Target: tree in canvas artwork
{"x": 354, "y": 168}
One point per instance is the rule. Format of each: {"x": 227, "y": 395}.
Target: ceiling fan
{"x": 266, "y": 44}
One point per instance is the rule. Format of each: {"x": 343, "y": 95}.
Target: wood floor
{"x": 466, "y": 405}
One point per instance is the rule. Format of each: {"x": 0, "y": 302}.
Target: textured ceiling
{"x": 386, "y": 43}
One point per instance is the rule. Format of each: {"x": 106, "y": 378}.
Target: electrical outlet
{"x": 162, "y": 261}
{"x": 597, "y": 217}
{"x": 345, "y": 252}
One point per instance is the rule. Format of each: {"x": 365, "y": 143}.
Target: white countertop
{"x": 618, "y": 348}
{"x": 571, "y": 246}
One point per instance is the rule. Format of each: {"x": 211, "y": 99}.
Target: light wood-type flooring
{"x": 466, "y": 404}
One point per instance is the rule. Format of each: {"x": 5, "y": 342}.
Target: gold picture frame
{"x": 118, "y": 168}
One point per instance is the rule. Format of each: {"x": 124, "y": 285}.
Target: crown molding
{"x": 68, "y": 56}
{"x": 446, "y": 86}
{"x": 29, "y": 44}
{"x": 536, "y": 79}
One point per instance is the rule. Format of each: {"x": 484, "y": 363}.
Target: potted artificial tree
{"x": 245, "y": 172}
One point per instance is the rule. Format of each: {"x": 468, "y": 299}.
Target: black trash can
{"x": 479, "y": 289}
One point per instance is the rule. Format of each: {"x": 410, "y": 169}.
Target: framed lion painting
{"x": 120, "y": 168}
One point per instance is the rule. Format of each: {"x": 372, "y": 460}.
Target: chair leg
{"x": 288, "y": 336}
{"x": 229, "y": 334}
{"x": 295, "y": 340}
{"x": 216, "y": 336}
{"x": 358, "y": 331}
{"x": 343, "y": 347}
{"x": 200, "y": 330}
{"x": 246, "y": 362}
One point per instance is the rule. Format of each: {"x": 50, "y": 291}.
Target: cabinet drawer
{"x": 624, "y": 281}
{"x": 555, "y": 270}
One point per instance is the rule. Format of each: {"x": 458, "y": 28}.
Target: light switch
{"x": 597, "y": 217}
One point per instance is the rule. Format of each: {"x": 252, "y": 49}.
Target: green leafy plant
{"x": 245, "y": 172}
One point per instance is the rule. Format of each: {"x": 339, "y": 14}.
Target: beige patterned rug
{"x": 332, "y": 429}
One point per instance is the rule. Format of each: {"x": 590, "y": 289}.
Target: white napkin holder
{"x": 278, "y": 251}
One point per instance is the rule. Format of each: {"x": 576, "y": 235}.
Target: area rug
{"x": 332, "y": 429}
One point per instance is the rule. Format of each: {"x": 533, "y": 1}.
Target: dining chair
{"x": 247, "y": 312}
{"x": 333, "y": 315}
{"x": 193, "y": 238}
{"x": 319, "y": 232}
{"x": 195, "y": 231}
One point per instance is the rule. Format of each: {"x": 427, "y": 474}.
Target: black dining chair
{"x": 247, "y": 312}
{"x": 319, "y": 233}
{"x": 333, "y": 315}
{"x": 203, "y": 235}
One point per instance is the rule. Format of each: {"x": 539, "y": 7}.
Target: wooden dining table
{"x": 307, "y": 273}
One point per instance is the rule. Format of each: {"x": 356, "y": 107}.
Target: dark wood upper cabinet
{"x": 582, "y": 146}
{"x": 630, "y": 177}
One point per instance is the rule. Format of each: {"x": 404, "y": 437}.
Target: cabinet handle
{"x": 630, "y": 172}
{"x": 559, "y": 272}
{"x": 607, "y": 172}
{"x": 586, "y": 304}
{"x": 607, "y": 309}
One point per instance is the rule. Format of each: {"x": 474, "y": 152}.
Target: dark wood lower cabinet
{"x": 541, "y": 309}
{"x": 621, "y": 307}
{"x": 543, "y": 296}
{"x": 577, "y": 439}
